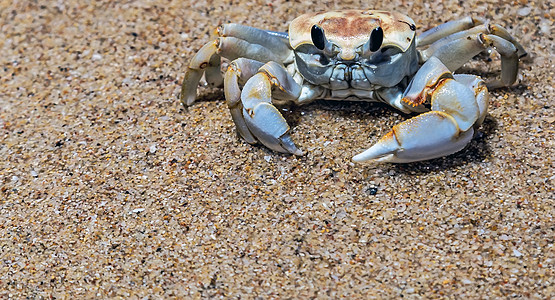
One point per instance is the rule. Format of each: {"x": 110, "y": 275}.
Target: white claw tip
{"x": 383, "y": 151}
{"x": 364, "y": 158}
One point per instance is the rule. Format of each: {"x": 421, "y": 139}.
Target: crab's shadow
{"x": 209, "y": 94}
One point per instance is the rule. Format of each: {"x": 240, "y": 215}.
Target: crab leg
{"x": 434, "y": 34}
{"x": 234, "y": 41}
{"x": 489, "y": 29}
{"x": 456, "y": 53}
{"x": 453, "y": 30}
{"x": 262, "y": 118}
{"x": 193, "y": 73}
{"x": 458, "y": 104}
{"x": 277, "y": 42}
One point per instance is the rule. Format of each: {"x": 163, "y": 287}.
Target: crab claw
{"x": 262, "y": 118}
{"x": 458, "y": 105}
{"x": 426, "y": 136}
{"x": 267, "y": 124}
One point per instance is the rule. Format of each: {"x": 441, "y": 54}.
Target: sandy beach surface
{"x": 109, "y": 188}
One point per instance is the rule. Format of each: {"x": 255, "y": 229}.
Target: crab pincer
{"x": 458, "y": 105}
{"x": 263, "y": 119}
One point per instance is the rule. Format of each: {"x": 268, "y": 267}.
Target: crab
{"x": 365, "y": 55}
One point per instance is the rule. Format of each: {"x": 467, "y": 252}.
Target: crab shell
{"x": 350, "y": 29}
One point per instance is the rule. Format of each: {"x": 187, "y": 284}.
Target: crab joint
{"x": 427, "y": 93}
{"x": 426, "y": 81}
{"x": 202, "y": 58}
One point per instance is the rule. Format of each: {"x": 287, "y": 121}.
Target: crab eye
{"x": 376, "y": 39}
{"x": 317, "y": 35}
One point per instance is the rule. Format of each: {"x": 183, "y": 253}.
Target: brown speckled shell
{"x": 352, "y": 28}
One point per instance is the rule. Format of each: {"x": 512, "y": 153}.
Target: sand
{"x": 109, "y": 188}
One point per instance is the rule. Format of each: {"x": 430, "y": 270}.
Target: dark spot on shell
{"x": 411, "y": 26}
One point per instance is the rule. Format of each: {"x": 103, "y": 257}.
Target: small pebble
{"x": 372, "y": 190}
{"x": 523, "y": 12}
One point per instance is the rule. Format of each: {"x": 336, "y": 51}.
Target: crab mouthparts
{"x": 348, "y": 76}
